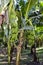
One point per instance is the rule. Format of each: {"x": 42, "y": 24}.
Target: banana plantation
{"x": 21, "y": 32}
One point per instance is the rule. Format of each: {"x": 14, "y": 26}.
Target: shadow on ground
{"x": 35, "y": 63}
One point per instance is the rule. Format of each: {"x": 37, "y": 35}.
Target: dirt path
{"x": 25, "y": 58}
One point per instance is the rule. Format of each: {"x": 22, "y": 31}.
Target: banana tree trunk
{"x": 19, "y": 48}
{"x": 9, "y": 46}
{"x": 8, "y": 53}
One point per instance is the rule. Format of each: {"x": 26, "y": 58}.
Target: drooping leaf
{"x": 30, "y": 4}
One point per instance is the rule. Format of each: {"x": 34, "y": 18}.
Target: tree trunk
{"x": 8, "y": 52}
{"x": 19, "y": 47}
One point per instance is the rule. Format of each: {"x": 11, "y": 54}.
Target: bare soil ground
{"x": 26, "y": 58}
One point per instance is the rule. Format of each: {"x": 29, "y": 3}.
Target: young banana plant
{"x": 24, "y": 13}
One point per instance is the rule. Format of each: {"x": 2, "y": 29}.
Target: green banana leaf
{"x": 29, "y": 5}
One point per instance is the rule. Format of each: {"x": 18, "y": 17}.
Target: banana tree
{"x": 7, "y": 8}
{"x": 22, "y": 17}
{"x": 23, "y": 13}
{"x": 14, "y": 28}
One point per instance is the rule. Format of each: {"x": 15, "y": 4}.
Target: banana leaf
{"x": 29, "y": 5}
